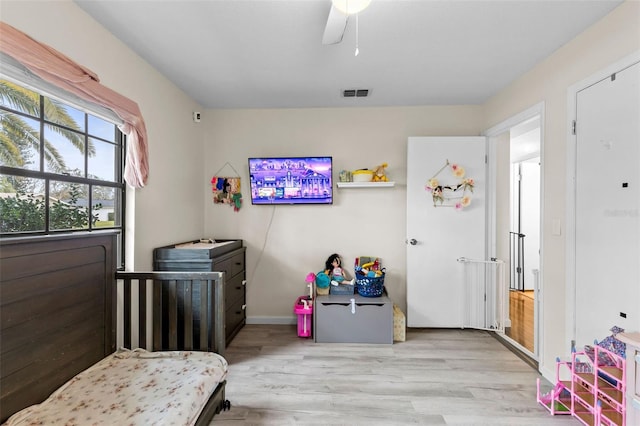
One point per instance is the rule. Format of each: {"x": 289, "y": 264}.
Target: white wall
{"x": 362, "y": 222}
{"x": 170, "y": 207}
{"x": 612, "y": 38}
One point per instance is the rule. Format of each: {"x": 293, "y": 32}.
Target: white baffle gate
{"x": 484, "y": 294}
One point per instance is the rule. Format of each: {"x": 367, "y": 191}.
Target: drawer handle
{"x": 238, "y": 287}
{"x": 353, "y": 306}
{"x": 335, "y": 304}
{"x": 370, "y": 304}
{"x": 238, "y": 263}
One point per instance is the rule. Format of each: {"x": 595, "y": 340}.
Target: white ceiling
{"x": 269, "y": 53}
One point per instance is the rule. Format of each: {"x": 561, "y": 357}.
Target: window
{"x": 60, "y": 167}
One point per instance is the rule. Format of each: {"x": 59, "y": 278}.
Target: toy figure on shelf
{"x": 380, "y": 174}
{"x": 333, "y": 268}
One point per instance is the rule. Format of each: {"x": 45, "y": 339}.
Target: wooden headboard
{"x": 56, "y": 312}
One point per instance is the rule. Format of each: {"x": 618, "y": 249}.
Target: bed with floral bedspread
{"x": 133, "y": 387}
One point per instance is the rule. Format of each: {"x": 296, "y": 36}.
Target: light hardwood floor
{"x": 521, "y": 305}
{"x": 462, "y": 377}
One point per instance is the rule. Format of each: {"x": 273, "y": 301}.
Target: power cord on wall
{"x": 264, "y": 244}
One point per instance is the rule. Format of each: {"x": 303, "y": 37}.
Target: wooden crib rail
{"x": 187, "y": 310}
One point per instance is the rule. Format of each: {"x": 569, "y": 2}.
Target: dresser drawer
{"x": 231, "y": 265}
{"x": 234, "y": 289}
{"x": 234, "y": 319}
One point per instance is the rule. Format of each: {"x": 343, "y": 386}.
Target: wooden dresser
{"x": 226, "y": 256}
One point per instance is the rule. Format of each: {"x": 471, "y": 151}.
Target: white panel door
{"x": 438, "y": 235}
{"x": 607, "y": 205}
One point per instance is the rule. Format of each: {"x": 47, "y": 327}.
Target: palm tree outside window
{"x": 60, "y": 167}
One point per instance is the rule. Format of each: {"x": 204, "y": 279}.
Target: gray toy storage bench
{"x": 338, "y": 319}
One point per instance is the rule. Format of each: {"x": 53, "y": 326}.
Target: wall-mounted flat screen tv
{"x": 291, "y": 180}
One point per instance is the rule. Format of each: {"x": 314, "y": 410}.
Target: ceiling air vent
{"x": 355, "y": 93}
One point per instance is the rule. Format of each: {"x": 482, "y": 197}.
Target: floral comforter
{"x": 132, "y": 388}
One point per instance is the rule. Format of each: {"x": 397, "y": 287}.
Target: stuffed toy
{"x": 322, "y": 280}
{"x": 379, "y": 175}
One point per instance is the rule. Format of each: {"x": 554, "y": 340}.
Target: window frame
{"x": 120, "y": 143}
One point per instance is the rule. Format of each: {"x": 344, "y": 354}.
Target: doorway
{"x": 514, "y": 208}
{"x": 524, "y": 234}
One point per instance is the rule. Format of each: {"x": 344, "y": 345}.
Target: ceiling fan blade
{"x": 336, "y": 24}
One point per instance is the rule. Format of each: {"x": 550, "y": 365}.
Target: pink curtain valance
{"x": 56, "y": 68}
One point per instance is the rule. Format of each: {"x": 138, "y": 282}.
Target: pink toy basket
{"x": 304, "y": 316}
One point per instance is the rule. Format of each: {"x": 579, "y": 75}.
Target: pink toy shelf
{"x": 595, "y": 391}
{"x": 304, "y": 309}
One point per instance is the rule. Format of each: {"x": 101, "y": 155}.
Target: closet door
{"x": 607, "y": 234}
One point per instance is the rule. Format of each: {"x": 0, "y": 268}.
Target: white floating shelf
{"x": 365, "y": 184}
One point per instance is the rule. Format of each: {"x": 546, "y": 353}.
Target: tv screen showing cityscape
{"x": 291, "y": 180}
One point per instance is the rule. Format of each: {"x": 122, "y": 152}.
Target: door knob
{"x": 413, "y": 241}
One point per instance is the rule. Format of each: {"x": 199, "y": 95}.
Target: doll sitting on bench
{"x": 333, "y": 268}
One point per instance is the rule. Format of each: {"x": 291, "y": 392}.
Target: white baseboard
{"x": 550, "y": 375}
{"x": 273, "y": 320}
